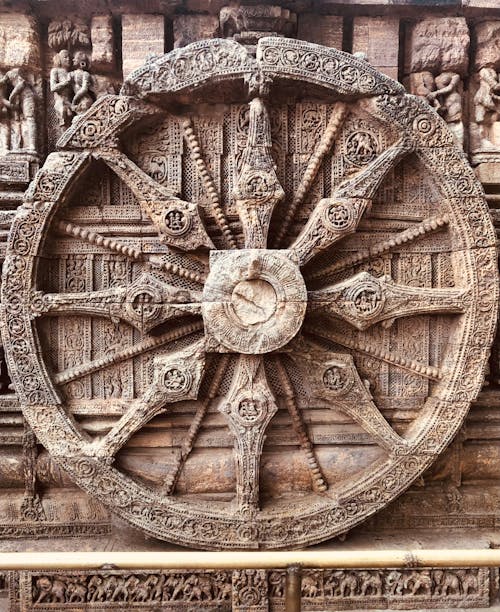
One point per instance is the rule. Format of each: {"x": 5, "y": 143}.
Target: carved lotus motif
{"x": 282, "y": 282}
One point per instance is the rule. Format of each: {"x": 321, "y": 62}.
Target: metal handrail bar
{"x": 201, "y": 560}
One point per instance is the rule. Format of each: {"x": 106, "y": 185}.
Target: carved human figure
{"x": 487, "y": 96}
{"x": 155, "y": 586}
{"x": 23, "y": 109}
{"x": 330, "y": 584}
{"x": 95, "y": 591}
{"x": 130, "y": 588}
{"x": 141, "y": 592}
{"x": 394, "y": 583}
{"x": 444, "y": 93}
{"x": 422, "y": 84}
{"x": 82, "y": 83}
{"x": 485, "y": 111}
{"x": 448, "y": 96}
{"x": 61, "y": 86}
{"x": 5, "y": 107}
{"x": 113, "y": 387}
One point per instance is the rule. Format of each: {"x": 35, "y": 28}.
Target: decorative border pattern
{"x": 250, "y": 590}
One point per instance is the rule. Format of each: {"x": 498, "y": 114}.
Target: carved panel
{"x": 249, "y": 590}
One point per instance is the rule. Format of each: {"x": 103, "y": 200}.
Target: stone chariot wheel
{"x": 249, "y": 300}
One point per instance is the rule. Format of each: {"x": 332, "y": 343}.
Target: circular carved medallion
{"x": 176, "y": 380}
{"x": 176, "y": 222}
{"x": 361, "y": 148}
{"x": 337, "y": 379}
{"x": 271, "y": 315}
{"x": 339, "y": 216}
{"x": 254, "y": 301}
{"x": 366, "y": 298}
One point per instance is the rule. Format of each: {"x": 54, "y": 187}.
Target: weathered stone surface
{"x": 19, "y": 42}
{"x": 103, "y": 43}
{"x": 487, "y": 38}
{"x": 190, "y": 28}
{"x": 249, "y": 298}
{"x": 484, "y": 94}
{"x": 142, "y": 36}
{"x": 327, "y": 30}
{"x": 248, "y": 23}
{"x": 232, "y": 590}
{"x": 378, "y": 39}
{"x": 438, "y": 45}
{"x": 275, "y": 307}
{"x": 437, "y": 57}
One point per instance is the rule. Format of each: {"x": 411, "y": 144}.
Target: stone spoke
{"x": 248, "y": 407}
{"x": 365, "y": 183}
{"x": 414, "y": 232}
{"x": 177, "y": 222}
{"x": 364, "y": 300}
{"x": 208, "y": 182}
{"x": 257, "y": 189}
{"x": 333, "y": 378}
{"x": 337, "y": 118}
{"x": 368, "y": 348}
{"x": 317, "y": 477}
{"x": 140, "y": 348}
{"x": 176, "y": 378}
{"x": 145, "y": 304}
{"x": 187, "y": 444}
{"x": 339, "y": 215}
{"x": 158, "y": 262}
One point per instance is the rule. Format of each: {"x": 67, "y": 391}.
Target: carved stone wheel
{"x": 249, "y": 301}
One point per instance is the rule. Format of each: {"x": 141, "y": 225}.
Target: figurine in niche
{"x": 484, "y": 127}
{"x": 23, "y": 110}
{"x": 82, "y": 83}
{"x": 487, "y": 98}
{"x": 422, "y": 84}
{"x": 447, "y": 100}
{"x": 73, "y": 90}
{"x": 62, "y": 87}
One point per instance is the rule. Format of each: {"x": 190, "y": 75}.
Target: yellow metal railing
{"x": 292, "y": 561}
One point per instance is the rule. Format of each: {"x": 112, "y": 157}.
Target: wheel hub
{"x": 254, "y": 301}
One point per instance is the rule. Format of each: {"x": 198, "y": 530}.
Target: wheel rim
{"x": 284, "y": 333}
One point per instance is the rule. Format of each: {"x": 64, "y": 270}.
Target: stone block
{"x": 189, "y": 28}
{"x": 19, "y": 42}
{"x": 437, "y": 45}
{"x": 487, "y": 34}
{"x": 142, "y": 35}
{"x": 103, "y": 48}
{"x": 247, "y": 23}
{"x": 325, "y": 30}
{"x": 378, "y": 38}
